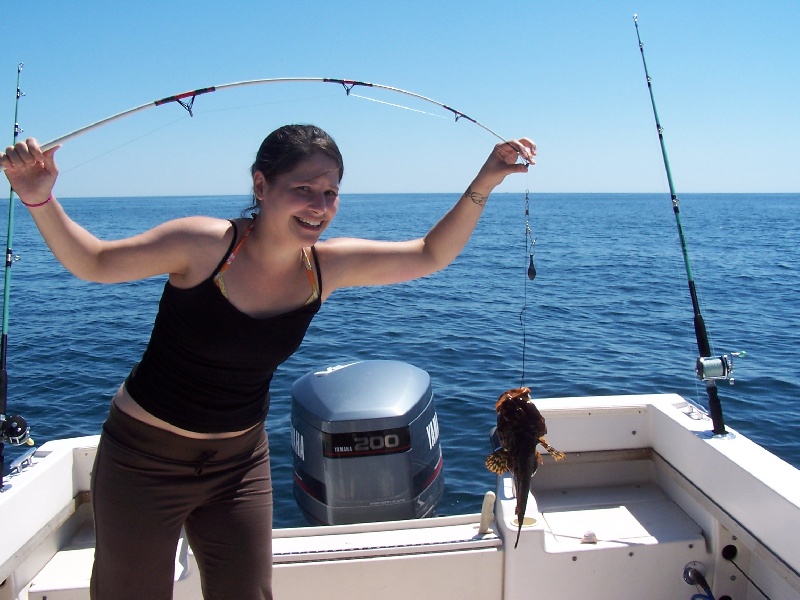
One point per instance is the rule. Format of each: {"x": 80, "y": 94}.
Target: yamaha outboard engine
{"x": 365, "y": 441}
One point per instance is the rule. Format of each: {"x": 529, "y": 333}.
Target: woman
{"x": 184, "y": 445}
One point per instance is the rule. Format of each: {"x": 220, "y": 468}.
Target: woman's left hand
{"x": 503, "y": 161}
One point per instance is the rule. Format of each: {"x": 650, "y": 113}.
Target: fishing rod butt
{"x": 715, "y": 411}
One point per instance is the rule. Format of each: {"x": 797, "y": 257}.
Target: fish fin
{"x": 523, "y": 472}
{"x": 497, "y": 461}
{"x": 552, "y": 451}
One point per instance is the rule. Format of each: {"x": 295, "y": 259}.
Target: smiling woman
{"x": 311, "y": 191}
{"x": 188, "y": 423}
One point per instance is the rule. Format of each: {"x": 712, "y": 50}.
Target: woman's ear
{"x": 259, "y": 185}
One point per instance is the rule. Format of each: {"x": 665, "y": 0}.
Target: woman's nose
{"x": 318, "y": 203}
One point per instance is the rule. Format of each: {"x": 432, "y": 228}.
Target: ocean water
{"x": 608, "y": 313}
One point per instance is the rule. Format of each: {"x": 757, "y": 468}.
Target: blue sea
{"x": 609, "y": 312}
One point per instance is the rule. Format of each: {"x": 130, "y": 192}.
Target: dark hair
{"x": 284, "y": 148}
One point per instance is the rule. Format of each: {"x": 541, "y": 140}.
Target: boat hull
{"x": 644, "y": 490}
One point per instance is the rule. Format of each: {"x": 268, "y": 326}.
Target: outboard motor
{"x": 365, "y": 441}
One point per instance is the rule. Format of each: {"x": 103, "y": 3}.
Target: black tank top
{"x": 208, "y": 366}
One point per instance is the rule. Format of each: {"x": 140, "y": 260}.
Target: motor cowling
{"x": 365, "y": 441}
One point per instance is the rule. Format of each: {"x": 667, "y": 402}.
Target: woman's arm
{"x": 167, "y": 248}
{"x": 355, "y": 262}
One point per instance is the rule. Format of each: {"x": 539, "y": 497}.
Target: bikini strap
{"x": 316, "y": 264}
{"x": 229, "y": 250}
{"x": 314, "y": 280}
{"x": 232, "y": 253}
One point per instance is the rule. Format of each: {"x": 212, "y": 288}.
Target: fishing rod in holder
{"x": 13, "y": 429}
{"x": 709, "y": 368}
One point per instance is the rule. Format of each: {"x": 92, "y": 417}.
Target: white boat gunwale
{"x": 731, "y": 488}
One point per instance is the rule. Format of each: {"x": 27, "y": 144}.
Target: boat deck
{"x": 575, "y": 533}
{"x": 448, "y": 556}
{"x": 643, "y": 491}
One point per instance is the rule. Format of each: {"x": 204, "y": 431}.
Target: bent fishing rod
{"x": 709, "y": 369}
{"x": 13, "y": 429}
{"x": 186, "y": 100}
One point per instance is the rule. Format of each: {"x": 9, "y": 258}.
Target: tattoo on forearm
{"x": 477, "y": 198}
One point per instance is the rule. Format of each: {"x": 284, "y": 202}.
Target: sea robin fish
{"x": 520, "y": 427}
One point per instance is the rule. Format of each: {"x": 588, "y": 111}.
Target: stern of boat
{"x": 644, "y": 492}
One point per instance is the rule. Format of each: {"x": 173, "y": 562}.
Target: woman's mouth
{"x": 309, "y": 223}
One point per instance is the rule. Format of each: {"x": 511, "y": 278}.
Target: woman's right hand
{"x": 31, "y": 172}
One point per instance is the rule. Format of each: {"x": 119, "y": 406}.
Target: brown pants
{"x": 147, "y": 484}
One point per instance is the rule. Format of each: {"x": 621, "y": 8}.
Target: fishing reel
{"x": 714, "y": 368}
{"x": 15, "y": 430}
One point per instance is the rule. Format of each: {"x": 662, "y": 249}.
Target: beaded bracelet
{"x": 50, "y": 197}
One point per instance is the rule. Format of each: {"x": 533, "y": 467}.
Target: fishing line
{"x": 416, "y": 110}
{"x": 128, "y": 143}
{"x": 530, "y": 250}
{"x": 292, "y": 101}
{"x": 183, "y": 118}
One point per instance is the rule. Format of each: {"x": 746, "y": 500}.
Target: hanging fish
{"x": 520, "y": 427}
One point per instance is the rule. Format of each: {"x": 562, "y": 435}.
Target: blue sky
{"x": 568, "y": 74}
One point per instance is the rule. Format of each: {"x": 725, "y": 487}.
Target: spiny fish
{"x": 520, "y": 427}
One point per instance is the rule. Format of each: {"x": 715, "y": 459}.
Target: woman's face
{"x": 304, "y": 199}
